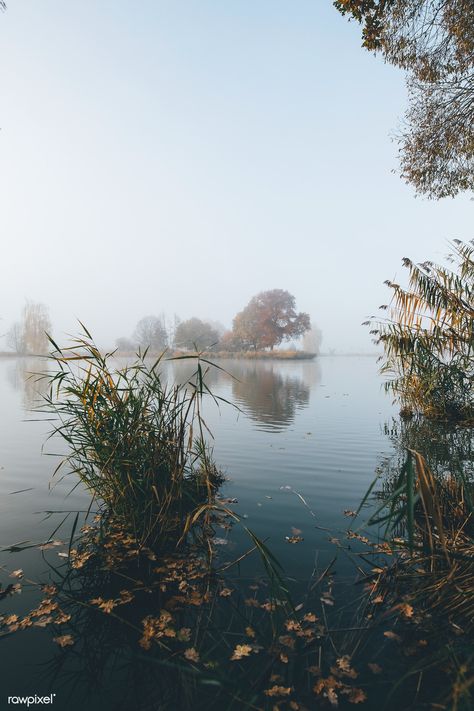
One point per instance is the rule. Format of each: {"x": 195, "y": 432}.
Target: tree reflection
{"x": 23, "y": 375}
{"x": 270, "y": 396}
{"x": 445, "y": 447}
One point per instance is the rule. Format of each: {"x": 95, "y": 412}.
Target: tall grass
{"x": 428, "y": 525}
{"x": 135, "y": 442}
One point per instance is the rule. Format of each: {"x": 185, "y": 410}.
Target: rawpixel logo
{"x": 31, "y": 700}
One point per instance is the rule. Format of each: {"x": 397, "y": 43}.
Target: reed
{"x": 135, "y": 442}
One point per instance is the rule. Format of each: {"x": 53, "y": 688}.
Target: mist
{"x": 180, "y": 158}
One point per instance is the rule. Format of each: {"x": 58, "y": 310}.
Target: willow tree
{"x": 428, "y": 337}
{"x": 433, "y": 41}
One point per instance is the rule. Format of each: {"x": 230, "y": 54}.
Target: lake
{"x": 301, "y": 446}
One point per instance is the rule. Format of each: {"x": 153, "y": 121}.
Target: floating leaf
{"x": 191, "y": 654}
{"x": 374, "y": 668}
{"x": 278, "y": 691}
{"x": 241, "y": 650}
{"x": 64, "y": 640}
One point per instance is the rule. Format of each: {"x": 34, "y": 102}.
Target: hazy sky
{"x": 183, "y": 156}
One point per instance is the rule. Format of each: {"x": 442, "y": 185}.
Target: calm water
{"x": 310, "y": 428}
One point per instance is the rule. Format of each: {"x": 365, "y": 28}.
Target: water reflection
{"x": 269, "y": 395}
{"x": 445, "y": 447}
{"x": 23, "y": 374}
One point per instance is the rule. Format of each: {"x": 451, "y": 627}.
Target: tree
{"x": 428, "y": 337}
{"x": 15, "y": 339}
{"x": 125, "y": 345}
{"x": 195, "y": 334}
{"x": 151, "y": 333}
{"x": 312, "y": 339}
{"x": 433, "y": 40}
{"x": 268, "y": 319}
{"x": 30, "y": 334}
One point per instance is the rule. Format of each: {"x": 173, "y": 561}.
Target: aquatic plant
{"x": 136, "y": 442}
{"x": 425, "y": 588}
{"x": 428, "y": 337}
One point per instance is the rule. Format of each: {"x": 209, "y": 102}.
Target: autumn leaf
{"x": 250, "y": 632}
{"x": 226, "y": 592}
{"x": 191, "y": 654}
{"x": 392, "y": 635}
{"x": 294, "y": 539}
{"x": 374, "y": 668}
{"x": 344, "y": 666}
{"x": 252, "y": 602}
{"x": 64, "y": 640}
{"x": 278, "y": 691}
{"x": 241, "y": 650}
{"x": 406, "y": 609}
{"x": 184, "y": 634}
{"x": 16, "y": 573}
{"x": 357, "y": 696}
{"x": 310, "y": 617}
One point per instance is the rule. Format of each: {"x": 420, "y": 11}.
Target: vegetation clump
{"x": 428, "y": 337}
{"x": 136, "y": 442}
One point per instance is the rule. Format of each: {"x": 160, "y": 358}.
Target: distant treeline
{"x": 268, "y": 320}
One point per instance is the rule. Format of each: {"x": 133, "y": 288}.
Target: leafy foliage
{"x": 428, "y": 338}
{"x": 433, "y": 40}
{"x": 195, "y": 334}
{"x": 268, "y": 319}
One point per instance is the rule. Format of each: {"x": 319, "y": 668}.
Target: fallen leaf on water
{"x": 252, "y": 602}
{"x": 392, "y": 635}
{"x": 406, "y": 609}
{"x": 374, "y": 668}
{"x": 310, "y": 617}
{"x": 278, "y": 691}
{"x": 294, "y": 539}
{"x": 241, "y": 650}
{"x": 16, "y": 573}
{"x": 357, "y": 696}
{"x": 191, "y": 654}
{"x": 250, "y": 632}
{"x": 348, "y": 512}
{"x": 64, "y": 640}
{"x": 184, "y": 634}
{"x": 226, "y": 592}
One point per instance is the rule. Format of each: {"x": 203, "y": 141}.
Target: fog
{"x": 179, "y": 158}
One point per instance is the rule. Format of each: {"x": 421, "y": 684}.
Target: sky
{"x": 181, "y": 156}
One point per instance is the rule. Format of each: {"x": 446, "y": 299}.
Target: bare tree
{"x": 150, "y": 332}
{"x": 30, "y": 334}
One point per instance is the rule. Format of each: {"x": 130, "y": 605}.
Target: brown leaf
{"x": 278, "y": 691}
{"x": 64, "y": 640}
{"x": 241, "y": 650}
{"x": 392, "y": 635}
{"x": 374, "y": 668}
{"x": 191, "y": 654}
{"x": 357, "y": 696}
